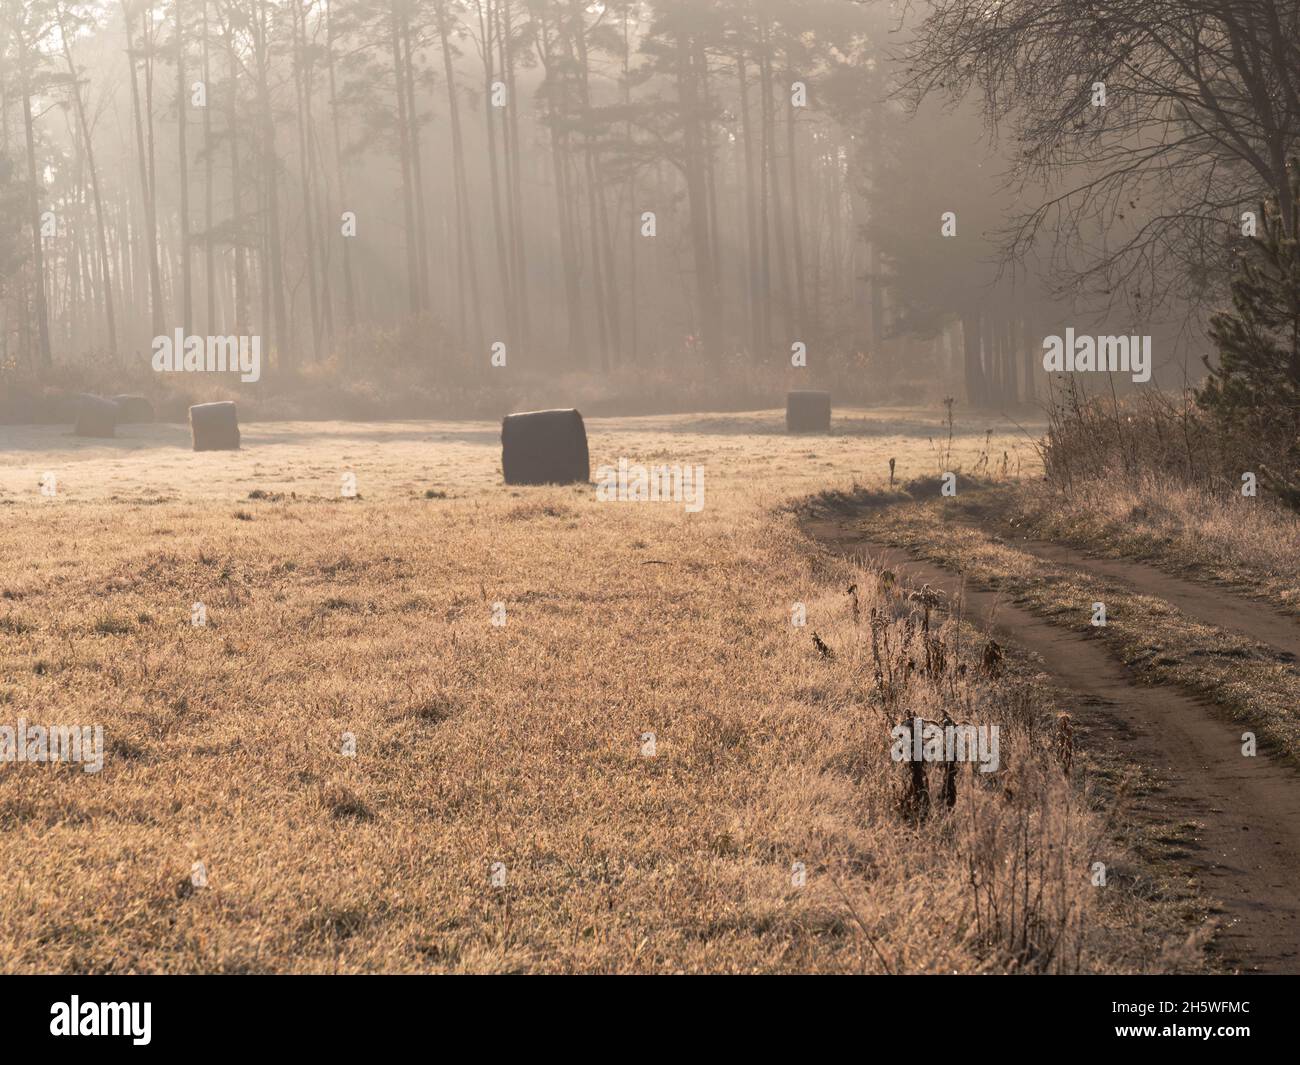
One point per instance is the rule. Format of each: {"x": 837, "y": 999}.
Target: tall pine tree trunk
{"x": 514, "y": 179}
{"x": 182, "y": 152}
{"x": 417, "y": 166}
{"x": 688, "y": 96}
{"x": 404, "y": 157}
{"x": 284, "y": 347}
{"x": 101, "y": 235}
{"x": 340, "y": 172}
{"x": 486, "y": 32}
{"x": 34, "y": 186}
{"x": 145, "y": 158}
{"x": 302, "y": 94}
{"x": 467, "y": 253}
{"x": 758, "y": 340}
{"x": 209, "y": 251}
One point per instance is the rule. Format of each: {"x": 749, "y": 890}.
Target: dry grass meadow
{"x": 519, "y": 744}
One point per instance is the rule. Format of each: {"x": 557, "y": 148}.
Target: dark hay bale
{"x": 544, "y": 447}
{"x": 808, "y": 412}
{"x": 96, "y": 416}
{"x": 215, "y": 427}
{"x": 133, "y": 410}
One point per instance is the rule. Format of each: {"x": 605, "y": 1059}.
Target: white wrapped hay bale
{"x": 96, "y": 416}
{"x": 544, "y": 447}
{"x": 808, "y": 412}
{"x": 215, "y": 427}
{"x": 133, "y": 410}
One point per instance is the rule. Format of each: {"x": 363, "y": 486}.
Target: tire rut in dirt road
{"x": 1204, "y": 603}
{"x": 1247, "y": 844}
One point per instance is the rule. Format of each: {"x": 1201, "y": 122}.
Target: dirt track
{"x": 1247, "y": 810}
{"x": 1206, "y": 603}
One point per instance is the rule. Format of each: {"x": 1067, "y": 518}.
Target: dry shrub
{"x": 1149, "y": 434}
{"x": 1152, "y": 473}
{"x": 1153, "y": 435}
{"x": 1001, "y": 860}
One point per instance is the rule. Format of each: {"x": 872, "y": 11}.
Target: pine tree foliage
{"x": 1254, "y": 392}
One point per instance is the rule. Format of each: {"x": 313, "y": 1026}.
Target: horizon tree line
{"x": 593, "y": 185}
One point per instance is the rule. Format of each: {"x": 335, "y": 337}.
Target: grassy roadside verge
{"x": 1159, "y": 643}
{"x": 1238, "y": 542}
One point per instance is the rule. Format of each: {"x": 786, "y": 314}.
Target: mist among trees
{"x": 914, "y": 194}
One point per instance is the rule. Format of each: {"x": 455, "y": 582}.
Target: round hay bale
{"x": 808, "y": 412}
{"x": 133, "y": 410}
{"x": 96, "y": 416}
{"x": 544, "y": 447}
{"x": 215, "y": 427}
